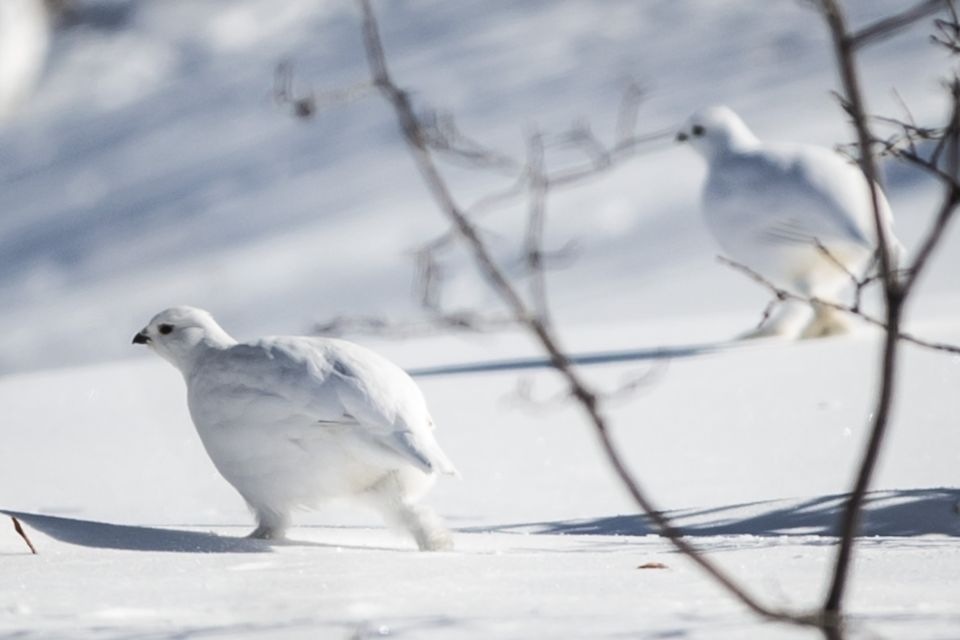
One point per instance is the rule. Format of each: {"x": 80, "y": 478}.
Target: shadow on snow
{"x": 88, "y": 533}
{"x": 581, "y": 359}
{"x": 902, "y": 513}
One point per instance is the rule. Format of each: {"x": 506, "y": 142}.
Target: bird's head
{"x": 716, "y": 130}
{"x": 179, "y": 333}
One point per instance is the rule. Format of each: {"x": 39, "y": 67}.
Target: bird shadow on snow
{"x": 105, "y": 535}
{"x": 89, "y": 533}
{"x": 901, "y": 513}
{"x": 582, "y": 359}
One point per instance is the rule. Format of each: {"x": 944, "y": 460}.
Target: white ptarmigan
{"x": 769, "y": 204}
{"x": 293, "y": 421}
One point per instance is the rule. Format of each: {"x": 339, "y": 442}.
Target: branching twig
{"x": 306, "y": 105}
{"x": 780, "y": 295}
{"x": 444, "y": 136}
{"x": 600, "y": 159}
{"x": 579, "y": 389}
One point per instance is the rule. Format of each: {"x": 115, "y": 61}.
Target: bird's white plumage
{"x": 770, "y": 205}
{"x": 294, "y": 421}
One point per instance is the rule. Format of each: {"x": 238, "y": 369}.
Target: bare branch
{"x": 23, "y": 534}
{"x": 444, "y": 136}
{"x": 579, "y": 389}
{"x": 896, "y": 290}
{"x": 536, "y": 224}
{"x": 780, "y": 294}
{"x": 629, "y": 111}
{"x": 948, "y": 31}
{"x": 600, "y": 160}
{"x": 306, "y": 106}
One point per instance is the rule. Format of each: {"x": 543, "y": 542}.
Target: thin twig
{"x": 600, "y": 161}
{"x": 23, "y": 534}
{"x": 306, "y": 106}
{"x": 536, "y": 226}
{"x": 780, "y": 294}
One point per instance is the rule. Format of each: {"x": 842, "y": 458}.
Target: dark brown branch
{"x": 23, "y": 534}
{"x": 896, "y": 290}
{"x": 579, "y": 389}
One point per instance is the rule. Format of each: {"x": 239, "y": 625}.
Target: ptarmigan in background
{"x": 294, "y": 421}
{"x": 768, "y": 204}
{"x": 24, "y": 40}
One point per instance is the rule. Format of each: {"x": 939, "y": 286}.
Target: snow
{"x": 151, "y": 168}
{"x": 747, "y": 448}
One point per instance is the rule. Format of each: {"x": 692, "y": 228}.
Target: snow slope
{"x": 179, "y": 181}
{"x": 152, "y": 168}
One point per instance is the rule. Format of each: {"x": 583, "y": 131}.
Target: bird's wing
{"x": 337, "y": 382}
{"x": 795, "y": 194}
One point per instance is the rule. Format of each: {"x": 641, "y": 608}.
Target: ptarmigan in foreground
{"x": 769, "y": 204}
{"x": 294, "y": 421}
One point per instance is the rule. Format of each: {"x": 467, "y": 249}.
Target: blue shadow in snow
{"x": 104, "y": 535}
{"x": 903, "y": 513}
{"x": 583, "y": 359}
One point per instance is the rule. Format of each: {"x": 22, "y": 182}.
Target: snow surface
{"x": 748, "y": 448}
{"x": 151, "y": 168}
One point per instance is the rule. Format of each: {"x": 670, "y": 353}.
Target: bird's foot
{"x": 435, "y": 540}
{"x": 826, "y": 322}
{"x": 264, "y": 532}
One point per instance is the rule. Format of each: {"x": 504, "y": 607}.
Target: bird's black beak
{"x": 681, "y": 137}
{"x": 141, "y": 338}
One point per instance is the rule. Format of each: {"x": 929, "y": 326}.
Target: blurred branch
{"x": 444, "y": 136}
{"x": 890, "y": 25}
{"x": 306, "y": 105}
{"x": 536, "y": 223}
{"x": 599, "y": 159}
{"x": 948, "y": 30}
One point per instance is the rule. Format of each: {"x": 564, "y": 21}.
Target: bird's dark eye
{"x": 165, "y": 328}
{"x": 697, "y": 130}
